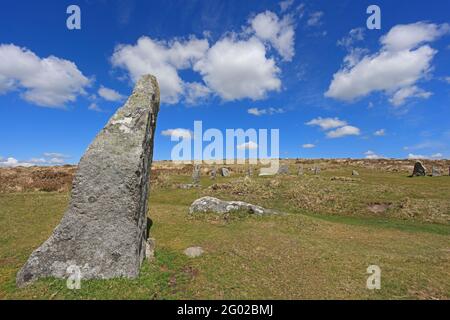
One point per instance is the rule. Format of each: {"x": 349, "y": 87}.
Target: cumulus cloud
{"x": 327, "y": 123}
{"x": 416, "y": 156}
{"x": 237, "y": 66}
{"x": 401, "y": 95}
{"x": 435, "y": 156}
{"x": 178, "y": 133}
{"x": 248, "y": 146}
{"x": 46, "y": 82}
{"x": 308, "y": 146}
{"x": 402, "y": 61}
{"x": 48, "y": 158}
{"x": 341, "y": 128}
{"x": 380, "y": 133}
{"x": 162, "y": 59}
{"x": 372, "y": 155}
{"x": 236, "y": 69}
{"x": 278, "y": 32}
{"x": 265, "y": 111}
{"x": 110, "y": 94}
{"x": 343, "y": 131}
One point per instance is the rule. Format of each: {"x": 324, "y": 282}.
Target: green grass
{"x": 319, "y": 250}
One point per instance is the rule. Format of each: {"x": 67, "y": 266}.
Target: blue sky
{"x": 311, "y": 69}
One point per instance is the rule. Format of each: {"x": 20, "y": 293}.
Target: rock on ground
{"x": 194, "y": 252}
{"x": 214, "y": 205}
{"x": 419, "y": 170}
{"x": 104, "y": 230}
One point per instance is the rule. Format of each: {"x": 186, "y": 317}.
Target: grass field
{"x": 319, "y": 249}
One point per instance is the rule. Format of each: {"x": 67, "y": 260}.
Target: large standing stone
{"x": 419, "y": 170}
{"x": 105, "y": 229}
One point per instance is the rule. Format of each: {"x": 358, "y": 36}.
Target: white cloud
{"x": 237, "y": 66}
{"x": 94, "y": 107}
{"x": 315, "y": 19}
{"x": 110, "y": 94}
{"x": 409, "y": 36}
{"x": 308, "y": 146}
{"x": 47, "y": 82}
{"x": 279, "y": 33}
{"x": 372, "y": 155}
{"x": 421, "y": 157}
{"x": 447, "y": 79}
{"x": 196, "y": 92}
{"x": 380, "y": 133}
{"x": 416, "y": 156}
{"x": 401, "y": 95}
{"x": 437, "y": 155}
{"x": 162, "y": 59}
{"x": 47, "y": 159}
{"x": 327, "y": 123}
{"x": 55, "y": 155}
{"x": 248, "y": 146}
{"x": 266, "y": 111}
{"x": 286, "y": 4}
{"x": 402, "y": 61}
{"x": 343, "y": 131}
{"x": 178, "y": 133}
{"x": 353, "y": 36}
{"x": 236, "y": 69}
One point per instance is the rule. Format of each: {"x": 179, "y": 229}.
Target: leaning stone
{"x": 194, "y": 252}
{"x": 214, "y": 205}
{"x": 225, "y": 172}
{"x": 355, "y": 173}
{"x": 104, "y": 230}
{"x": 419, "y": 170}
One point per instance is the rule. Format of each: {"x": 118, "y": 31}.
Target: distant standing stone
{"x": 283, "y": 169}
{"x": 300, "y": 171}
{"x": 104, "y": 231}
{"x": 419, "y": 170}
{"x": 249, "y": 172}
{"x": 196, "y": 175}
{"x": 213, "y": 173}
{"x": 316, "y": 170}
{"x": 194, "y": 252}
{"x": 355, "y": 173}
{"x": 436, "y": 172}
{"x": 225, "y": 172}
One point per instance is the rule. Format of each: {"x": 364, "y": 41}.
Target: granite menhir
{"x": 105, "y": 228}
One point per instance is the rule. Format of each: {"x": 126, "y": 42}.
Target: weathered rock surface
{"x": 435, "y": 172}
{"x": 225, "y": 172}
{"x": 214, "y": 205}
{"x": 194, "y": 252}
{"x": 419, "y": 170}
{"x": 196, "y": 174}
{"x": 104, "y": 230}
